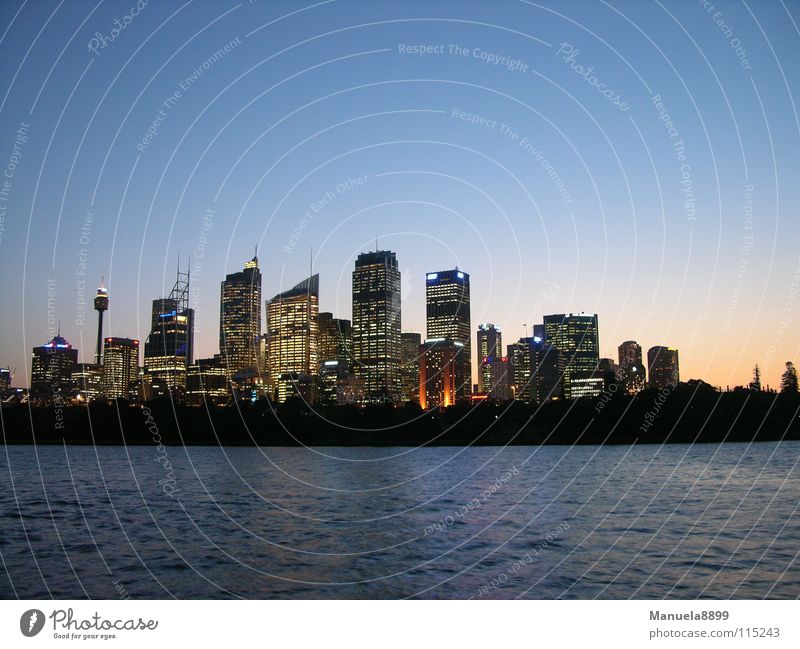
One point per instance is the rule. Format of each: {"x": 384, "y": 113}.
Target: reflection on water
{"x": 545, "y": 522}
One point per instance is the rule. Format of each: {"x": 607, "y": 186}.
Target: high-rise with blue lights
{"x": 168, "y": 348}
{"x": 447, "y": 311}
{"x": 51, "y": 371}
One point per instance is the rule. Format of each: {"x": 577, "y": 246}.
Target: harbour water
{"x": 517, "y": 522}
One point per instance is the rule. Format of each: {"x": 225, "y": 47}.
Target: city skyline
{"x": 305, "y": 342}
{"x": 675, "y": 229}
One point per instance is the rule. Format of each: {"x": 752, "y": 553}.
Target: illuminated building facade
{"x": 376, "y": 324}
{"x": 575, "y": 336}
{"x": 496, "y": 371}
{"x": 263, "y": 352}
{"x": 662, "y": 366}
{"x": 440, "y": 372}
{"x": 335, "y": 340}
{"x": 207, "y": 382}
{"x": 168, "y": 350}
{"x": 490, "y": 347}
{"x": 51, "y": 371}
{"x": 87, "y": 382}
{"x": 547, "y": 371}
{"x": 631, "y": 369}
{"x": 520, "y": 361}
{"x": 5, "y": 380}
{"x": 240, "y": 318}
{"x": 330, "y": 387}
{"x": 409, "y": 368}
{"x": 447, "y": 310}
{"x": 535, "y": 370}
{"x": 120, "y": 368}
{"x": 293, "y": 338}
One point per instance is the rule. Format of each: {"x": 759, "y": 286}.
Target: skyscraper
{"x": 535, "y": 370}
{"x": 376, "y": 323}
{"x": 207, "y": 382}
{"x": 662, "y": 366}
{"x": 240, "y": 318}
{"x": 120, "y": 367}
{"x": 168, "y": 350}
{"x": 447, "y": 306}
{"x": 87, "y": 382}
{"x": 490, "y": 347}
{"x": 335, "y": 340}
{"x": 293, "y": 338}
{"x": 440, "y": 372}
{"x": 5, "y": 380}
{"x": 497, "y": 373}
{"x": 575, "y": 336}
{"x": 409, "y": 367}
{"x": 547, "y": 371}
{"x": 631, "y": 368}
{"x": 100, "y": 305}
{"x": 521, "y": 363}
{"x": 51, "y": 371}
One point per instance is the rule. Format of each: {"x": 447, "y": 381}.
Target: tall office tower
{"x": 207, "y": 382}
{"x": 293, "y": 338}
{"x": 547, "y": 371}
{"x": 662, "y": 366}
{"x": 497, "y": 377}
{"x": 120, "y": 368}
{"x": 100, "y": 305}
{"x": 441, "y": 372}
{"x": 539, "y": 332}
{"x": 448, "y": 316}
{"x": 168, "y": 350}
{"x": 331, "y": 384}
{"x": 575, "y": 336}
{"x": 631, "y": 369}
{"x": 520, "y": 367}
{"x": 409, "y": 367}
{"x": 240, "y": 318}
{"x": 51, "y": 371}
{"x": 5, "y": 380}
{"x": 376, "y": 324}
{"x": 335, "y": 340}
{"x": 87, "y": 382}
{"x": 536, "y": 370}
{"x": 490, "y": 347}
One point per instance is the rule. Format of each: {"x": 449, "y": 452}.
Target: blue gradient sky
{"x": 313, "y": 95}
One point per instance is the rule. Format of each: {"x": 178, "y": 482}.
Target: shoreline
{"x": 692, "y": 413}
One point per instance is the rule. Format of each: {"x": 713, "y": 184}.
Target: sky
{"x": 634, "y": 159}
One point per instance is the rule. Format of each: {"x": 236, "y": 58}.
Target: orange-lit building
{"x": 441, "y": 372}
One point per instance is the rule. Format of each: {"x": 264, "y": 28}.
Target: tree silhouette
{"x": 755, "y": 384}
{"x": 789, "y": 379}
